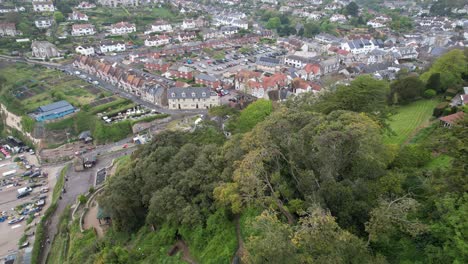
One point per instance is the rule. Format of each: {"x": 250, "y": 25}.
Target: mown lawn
{"x": 409, "y": 119}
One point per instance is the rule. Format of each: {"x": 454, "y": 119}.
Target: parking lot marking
{"x": 15, "y": 226}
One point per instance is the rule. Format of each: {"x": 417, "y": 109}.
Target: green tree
{"x": 272, "y": 242}
{"x": 434, "y": 83}
{"x": 59, "y": 17}
{"x": 449, "y": 227}
{"x": 394, "y": 215}
{"x": 406, "y": 90}
{"x": 352, "y": 9}
{"x": 364, "y": 94}
{"x": 311, "y": 29}
{"x": 451, "y": 66}
{"x": 273, "y": 23}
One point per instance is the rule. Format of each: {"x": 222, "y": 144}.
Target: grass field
{"x": 28, "y": 87}
{"x": 140, "y": 16}
{"x": 409, "y": 119}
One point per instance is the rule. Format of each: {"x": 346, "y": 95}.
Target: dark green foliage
{"x": 433, "y": 83}
{"x": 405, "y": 90}
{"x": 412, "y": 156}
{"x": 352, "y": 9}
{"x": 364, "y": 94}
{"x": 439, "y": 109}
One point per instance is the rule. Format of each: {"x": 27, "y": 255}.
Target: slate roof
{"x": 267, "y": 61}
{"x": 192, "y": 92}
{"x": 55, "y": 106}
{"x": 206, "y": 77}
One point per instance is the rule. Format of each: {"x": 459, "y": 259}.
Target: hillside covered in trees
{"x": 308, "y": 181}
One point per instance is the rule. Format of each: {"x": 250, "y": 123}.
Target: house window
{"x": 193, "y": 94}
{"x": 173, "y": 94}
{"x": 204, "y": 94}
{"x": 183, "y": 94}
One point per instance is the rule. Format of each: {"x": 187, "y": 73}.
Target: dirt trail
{"x": 91, "y": 221}
{"x": 240, "y": 243}
{"x": 180, "y": 245}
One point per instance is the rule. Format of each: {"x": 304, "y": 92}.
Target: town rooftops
{"x": 123, "y": 25}
{"x": 206, "y": 77}
{"x": 192, "y": 92}
{"x": 267, "y": 61}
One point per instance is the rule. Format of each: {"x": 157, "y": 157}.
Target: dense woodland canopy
{"x": 309, "y": 181}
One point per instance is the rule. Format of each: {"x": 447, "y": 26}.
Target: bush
{"x": 429, "y": 93}
{"x": 82, "y": 199}
{"x": 448, "y": 111}
{"x": 91, "y": 189}
{"x": 27, "y": 123}
{"x": 439, "y": 109}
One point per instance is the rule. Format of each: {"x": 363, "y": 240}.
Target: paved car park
{"x": 14, "y": 209}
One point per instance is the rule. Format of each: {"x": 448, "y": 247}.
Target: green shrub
{"x": 429, "y": 93}
{"x": 27, "y": 123}
{"x": 439, "y": 109}
{"x": 82, "y": 199}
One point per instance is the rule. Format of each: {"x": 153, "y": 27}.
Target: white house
{"x": 375, "y": 24}
{"x": 8, "y": 29}
{"x": 83, "y": 50}
{"x": 122, "y": 28}
{"x": 77, "y": 16}
{"x": 186, "y": 36}
{"x": 229, "y": 30}
{"x": 192, "y": 98}
{"x": 46, "y": 6}
{"x": 155, "y": 41}
{"x": 83, "y": 30}
{"x": 159, "y": 26}
{"x": 188, "y": 24}
{"x": 358, "y": 46}
{"x": 296, "y": 61}
{"x": 339, "y": 18}
{"x": 43, "y": 22}
{"x": 112, "y": 46}
{"x": 85, "y": 5}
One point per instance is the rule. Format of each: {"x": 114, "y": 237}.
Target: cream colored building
{"x": 192, "y": 98}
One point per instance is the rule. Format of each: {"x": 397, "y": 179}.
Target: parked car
{"x": 16, "y": 220}
{"x": 24, "y": 245}
{"x": 35, "y": 174}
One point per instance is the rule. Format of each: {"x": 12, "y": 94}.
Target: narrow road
{"x": 77, "y": 183}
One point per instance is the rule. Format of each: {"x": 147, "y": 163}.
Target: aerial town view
{"x": 233, "y": 131}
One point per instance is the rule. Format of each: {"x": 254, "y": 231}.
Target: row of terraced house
{"x": 145, "y": 88}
